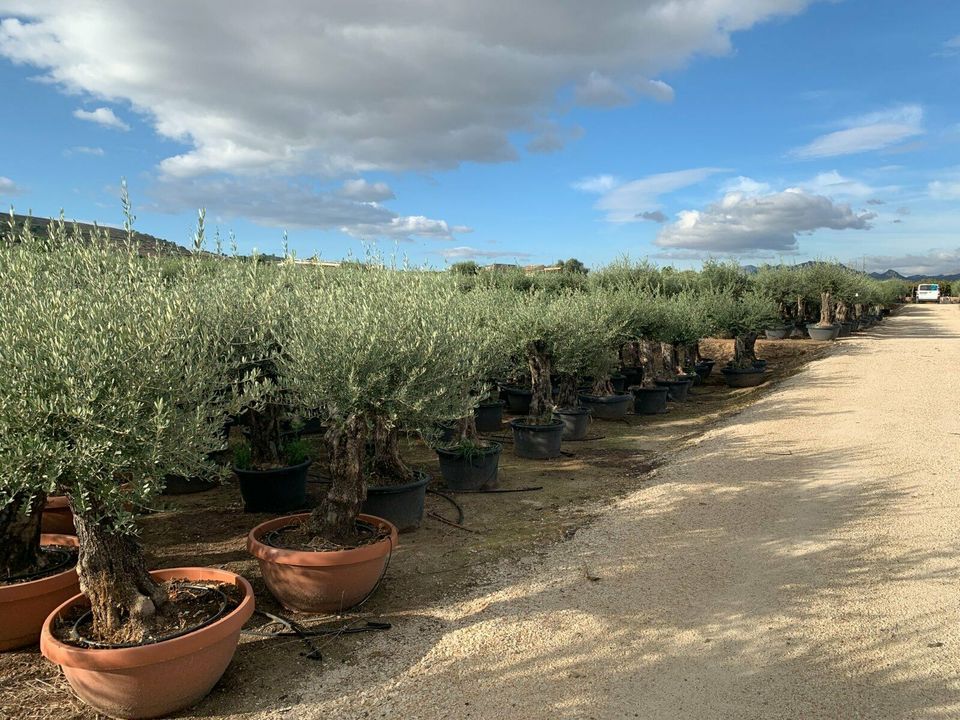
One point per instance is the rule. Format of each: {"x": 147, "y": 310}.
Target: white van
{"x": 928, "y": 293}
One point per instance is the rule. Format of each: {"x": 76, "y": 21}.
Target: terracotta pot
{"x": 321, "y": 582}
{"x": 155, "y": 680}
{"x": 57, "y": 516}
{"x": 24, "y": 606}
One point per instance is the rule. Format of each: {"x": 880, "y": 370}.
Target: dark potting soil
{"x": 296, "y": 537}
{"x": 53, "y": 559}
{"x": 193, "y": 605}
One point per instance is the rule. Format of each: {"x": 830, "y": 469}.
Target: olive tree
{"x": 742, "y": 318}
{"x": 822, "y": 281}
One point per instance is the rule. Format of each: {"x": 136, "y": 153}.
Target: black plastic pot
{"x": 446, "y": 431}
{"x": 846, "y": 329}
{"x": 476, "y": 471}
{"x": 280, "y": 490}
{"x": 676, "y": 389}
{"x": 649, "y": 401}
{"x": 619, "y": 383}
{"x": 760, "y": 364}
{"x": 400, "y": 504}
{"x": 489, "y": 416}
{"x": 534, "y": 441}
{"x": 575, "y": 422}
{"x": 777, "y": 333}
{"x": 607, "y": 407}
{"x": 633, "y": 375}
{"x": 180, "y": 485}
{"x": 830, "y": 332}
{"x": 518, "y": 400}
{"x": 743, "y": 377}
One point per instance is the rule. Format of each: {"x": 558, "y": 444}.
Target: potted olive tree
{"x": 685, "y": 322}
{"x": 822, "y": 281}
{"x": 783, "y": 284}
{"x": 116, "y": 382}
{"x": 742, "y": 318}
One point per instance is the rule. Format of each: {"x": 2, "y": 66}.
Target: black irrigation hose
{"x": 494, "y": 491}
{"x": 68, "y": 558}
{"x": 76, "y": 637}
{"x": 450, "y": 500}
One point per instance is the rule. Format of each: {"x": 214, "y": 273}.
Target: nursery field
{"x": 432, "y": 566}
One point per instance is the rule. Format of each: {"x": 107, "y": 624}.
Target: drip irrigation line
{"x": 67, "y": 558}
{"x": 494, "y": 491}
{"x": 79, "y": 639}
{"x": 441, "y": 518}
{"x": 585, "y": 439}
{"x": 450, "y": 500}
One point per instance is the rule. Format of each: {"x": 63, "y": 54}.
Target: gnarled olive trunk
{"x": 335, "y": 518}
{"x": 568, "y": 395}
{"x": 467, "y": 429}
{"x": 263, "y": 427}
{"x": 603, "y": 386}
{"x": 858, "y": 310}
{"x": 801, "y": 309}
{"x": 20, "y": 535}
{"x": 826, "y": 309}
{"x": 744, "y": 352}
{"x": 647, "y": 357}
{"x": 842, "y": 311}
{"x": 124, "y": 599}
{"x": 387, "y": 463}
{"x": 669, "y": 360}
{"x": 542, "y": 401}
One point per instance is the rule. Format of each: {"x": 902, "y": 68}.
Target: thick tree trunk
{"x": 541, "y": 404}
{"x": 20, "y": 535}
{"x": 467, "y": 429}
{"x": 841, "y": 311}
{"x": 264, "y": 434}
{"x": 124, "y": 598}
{"x": 744, "y": 352}
{"x": 858, "y": 311}
{"x": 603, "y": 386}
{"x": 667, "y": 354}
{"x": 647, "y": 359}
{"x": 801, "y": 309}
{"x": 387, "y": 463}
{"x": 826, "y": 309}
{"x": 335, "y": 518}
{"x": 568, "y": 395}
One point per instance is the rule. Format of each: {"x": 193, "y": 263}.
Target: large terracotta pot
{"x": 24, "y": 606}
{"x": 156, "y": 680}
{"x": 321, "y": 582}
{"x": 57, "y": 516}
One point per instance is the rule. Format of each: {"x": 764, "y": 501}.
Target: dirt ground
{"x": 435, "y": 565}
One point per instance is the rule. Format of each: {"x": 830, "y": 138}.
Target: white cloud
{"x": 935, "y": 261}
{"x": 280, "y": 203}
{"x": 346, "y": 88}
{"x": 833, "y": 184}
{"x": 944, "y": 189}
{"x": 627, "y": 202}
{"x": 864, "y": 133}
{"x": 360, "y": 189}
{"x": 465, "y": 252}
{"x": 596, "y": 183}
{"x": 741, "y": 222}
{"x": 9, "y": 187}
{"x": 600, "y": 91}
{"x": 742, "y": 184}
{"x": 553, "y": 137}
{"x": 101, "y": 116}
{"x": 84, "y": 150}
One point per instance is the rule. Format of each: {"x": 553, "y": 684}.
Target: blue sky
{"x": 760, "y": 129}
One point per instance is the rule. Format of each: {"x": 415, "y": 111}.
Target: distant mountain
{"x": 146, "y": 244}
{"x": 894, "y": 275}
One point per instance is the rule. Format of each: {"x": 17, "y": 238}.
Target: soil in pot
{"x": 27, "y": 600}
{"x": 322, "y": 581}
{"x": 488, "y": 417}
{"x": 822, "y": 333}
{"x": 536, "y": 440}
{"x": 607, "y": 407}
{"x": 57, "y": 516}
{"x": 167, "y": 675}
{"x": 276, "y": 490}
{"x": 575, "y": 421}
{"x": 676, "y": 389}
{"x": 743, "y": 377}
{"x": 402, "y": 505}
{"x": 518, "y": 400}
{"x": 649, "y": 400}
{"x": 470, "y": 469}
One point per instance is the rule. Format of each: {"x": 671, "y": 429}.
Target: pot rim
{"x": 56, "y": 502}
{"x": 571, "y": 411}
{"x": 743, "y": 371}
{"x": 516, "y": 390}
{"x": 422, "y": 479}
{"x": 607, "y": 399}
{"x": 492, "y": 403}
{"x": 536, "y": 427}
{"x": 273, "y": 471}
{"x": 642, "y": 388}
{"x": 49, "y": 583}
{"x": 491, "y": 449}
{"x": 107, "y": 659}
{"x": 319, "y": 558}
{"x": 670, "y": 382}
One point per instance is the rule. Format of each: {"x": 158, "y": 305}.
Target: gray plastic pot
{"x": 607, "y": 407}
{"x": 575, "y": 422}
{"x": 518, "y": 400}
{"x": 676, "y": 389}
{"x": 475, "y": 471}
{"x": 489, "y": 416}
{"x": 650, "y": 401}
{"x": 817, "y": 332}
{"x": 743, "y": 377}
{"x": 777, "y": 333}
{"x": 535, "y": 441}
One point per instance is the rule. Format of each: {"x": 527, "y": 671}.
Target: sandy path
{"x": 801, "y": 561}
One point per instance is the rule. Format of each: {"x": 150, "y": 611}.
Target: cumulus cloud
{"x": 465, "y": 252}
{"x": 600, "y": 91}
{"x": 346, "y": 88}
{"x": 296, "y": 205}
{"x": 553, "y": 137}
{"x": 360, "y": 189}
{"x": 741, "y": 222}
{"x": 747, "y": 185}
{"x": 101, "y": 116}
{"x": 936, "y": 261}
{"x": 874, "y": 131}
{"x": 9, "y": 187}
{"x": 626, "y": 202}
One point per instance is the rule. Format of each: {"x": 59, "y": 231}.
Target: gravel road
{"x": 799, "y": 561}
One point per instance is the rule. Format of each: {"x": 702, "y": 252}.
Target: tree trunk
{"x": 20, "y": 535}
{"x": 568, "y": 395}
{"x": 335, "y": 518}
{"x": 264, "y": 434}
{"x": 858, "y": 311}
{"x": 826, "y": 309}
{"x": 744, "y": 352}
{"x": 387, "y": 463}
{"x": 841, "y": 311}
{"x": 603, "y": 386}
{"x": 801, "y": 309}
{"x": 541, "y": 404}
{"x": 124, "y": 598}
{"x": 647, "y": 358}
{"x": 667, "y": 351}
{"x": 467, "y": 429}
